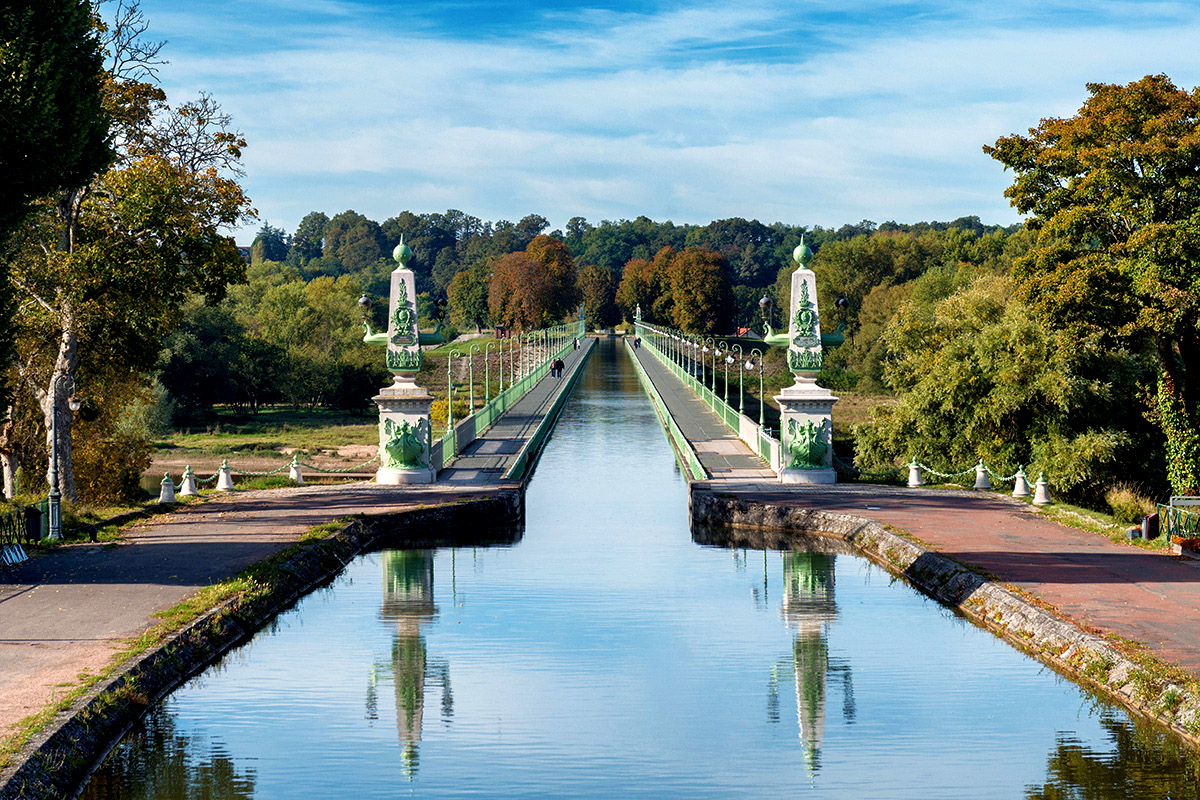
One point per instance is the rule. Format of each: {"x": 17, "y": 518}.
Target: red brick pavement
{"x": 1148, "y": 596}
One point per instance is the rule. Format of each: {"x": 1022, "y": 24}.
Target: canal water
{"x": 607, "y": 655}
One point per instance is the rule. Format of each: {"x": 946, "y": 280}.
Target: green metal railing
{"x": 1175, "y": 521}
{"x": 553, "y": 343}
{"x": 689, "y": 462}
{"x": 677, "y": 351}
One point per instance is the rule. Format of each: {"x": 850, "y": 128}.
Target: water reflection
{"x": 808, "y": 609}
{"x": 157, "y": 761}
{"x": 1143, "y": 762}
{"x": 408, "y": 604}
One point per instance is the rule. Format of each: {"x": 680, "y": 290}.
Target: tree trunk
{"x": 8, "y": 455}
{"x": 53, "y": 401}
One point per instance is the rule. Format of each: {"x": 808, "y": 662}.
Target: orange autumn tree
{"x": 532, "y": 288}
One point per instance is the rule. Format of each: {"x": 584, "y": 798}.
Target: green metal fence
{"x": 682, "y": 366}
{"x": 689, "y": 462}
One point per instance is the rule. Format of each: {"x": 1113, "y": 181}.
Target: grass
{"x": 256, "y": 582}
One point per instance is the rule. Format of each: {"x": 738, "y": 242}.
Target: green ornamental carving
{"x": 805, "y": 445}
{"x": 805, "y": 360}
{"x": 805, "y": 318}
{"x": 404, "y": 323}
{"x": 404, "y": 360}
{"x": 402, "y": 445}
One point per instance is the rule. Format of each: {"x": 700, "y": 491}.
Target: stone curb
{"x": 1084, "y": 657}
{"x": 59, "y": 758}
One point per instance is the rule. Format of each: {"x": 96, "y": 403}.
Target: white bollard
{"x": 914, "y": 475}
{"x": 1021, "y": 486}
{"x": 187, "y": 487}
{"x": 981, "y": 477}
{"x": 294, "y": 470}
{"x": 225, "y": 478}
{"x": 1041, "y": 494}
{"x": 166, "y": 491}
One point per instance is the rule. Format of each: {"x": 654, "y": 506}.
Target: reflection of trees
{"x": 808, "y": 607}
{"x": 157, "y": 762}
{"x": 408, "y": 602}
{"x": 1143, "y": 762}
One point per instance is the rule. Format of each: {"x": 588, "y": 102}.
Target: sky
{"x": 810, "y": 112}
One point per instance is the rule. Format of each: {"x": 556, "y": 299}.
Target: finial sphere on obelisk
{"x": 801, "y": 254}
{"x": 402, "y": 253}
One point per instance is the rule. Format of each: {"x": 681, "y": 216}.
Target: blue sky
{"x": 809, "y": 112}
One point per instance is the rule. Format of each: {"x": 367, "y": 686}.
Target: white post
{"x": 981, "y": 477}
{"x": 914, "y": 475}
{"x": 294, "y": 470}
{"x": 225, "y": 478}
{"x": 166, "y": 491}
{"x": 1021, "y": 488}
{"x": 1041, "y": 492}
{"x": 188, "y": 487}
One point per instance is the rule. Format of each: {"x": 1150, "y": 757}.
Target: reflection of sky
{"x": 606, "y": 655}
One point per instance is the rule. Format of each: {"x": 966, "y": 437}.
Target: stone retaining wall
{"x": 59, "y": 759}
{"x": 1086, "y": 658}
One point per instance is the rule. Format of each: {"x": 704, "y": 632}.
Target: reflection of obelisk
{"x": 408, "y": 602}
{"x": 808, "y": 606}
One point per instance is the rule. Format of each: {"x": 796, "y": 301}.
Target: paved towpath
{"x": 1147, "y": 596}
{"x": 69, "y": 610}
{"x": 484, "y": 461}
{"x": 721, "y": 452}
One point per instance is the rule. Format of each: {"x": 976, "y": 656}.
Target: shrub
{"x": 1127, "y": 505}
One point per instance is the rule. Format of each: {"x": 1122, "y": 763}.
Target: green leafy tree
{"x": 597, "y": 289}
{"x": 109, "y": 265}
{"x": 271, "y": 244}
{"x": 978, "y": 376}
{"x": 308, "y": 240}
{"x": 533, "y": 288}
{"x": 1113, "y": 194}
{"x": 469, "y": 298}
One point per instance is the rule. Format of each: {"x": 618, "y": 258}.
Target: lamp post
{"x": 54, "y": 498}
{"x": 761, "y": 402}
{"x": 487, "y": 373}
{"x": 471, "y": 373}
{"x": 765, "y": 303}
{"x": 703, "y": 364}
{"x": 450, "y": 390}
{"x": 728, "y": 361}
{"x": 741, "y": 374}
{"x": 716, "y": 355}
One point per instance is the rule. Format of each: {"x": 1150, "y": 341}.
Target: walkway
{"x": 721, "y": 452}
{"x": 486, "y": 460}
{"x": 1146, "y": 596}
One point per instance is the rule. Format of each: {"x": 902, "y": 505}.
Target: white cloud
{"x": 616, "y": 115}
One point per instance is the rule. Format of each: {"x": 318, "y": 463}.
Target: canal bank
{"x": 1121, "y": 619}
{"x": 1150, "y": 687}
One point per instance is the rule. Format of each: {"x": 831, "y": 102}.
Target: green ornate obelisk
{"x": 805, "y": 409}
{"x": 404, "y": 428}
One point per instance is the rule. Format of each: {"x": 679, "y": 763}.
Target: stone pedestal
{"x": 806, "y": 433}
{"x": 404, "y": 433}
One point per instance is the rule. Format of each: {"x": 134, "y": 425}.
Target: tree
{"x": 703, "y": 301}
{"x": 597, "y": 290}
{"x": 54, "y": 131}
{"x": 534, "y": 288}
{"x": 979, "y": 376}
{"x": 271, "y": 244}
{"x": 309, "y": 239}
{"x": 469, "y": 297}
{"x": 109, "y": 265}
{"x": 1114, "y": 196}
